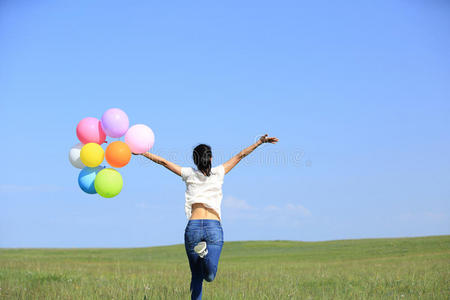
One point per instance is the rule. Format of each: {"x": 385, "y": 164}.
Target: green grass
{"x": 402, "y": 268}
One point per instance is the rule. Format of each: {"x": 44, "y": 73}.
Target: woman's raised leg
{"x": 214, "y": 242}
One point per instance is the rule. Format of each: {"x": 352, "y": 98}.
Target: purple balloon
{"x": 115, "y": 122}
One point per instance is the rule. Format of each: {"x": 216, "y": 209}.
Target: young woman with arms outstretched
{"x": 203, "y": 237}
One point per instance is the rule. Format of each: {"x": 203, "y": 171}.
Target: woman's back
{"x": 203, "y": 192}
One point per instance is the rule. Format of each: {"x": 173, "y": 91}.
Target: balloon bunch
{"x": 89, "y": 154}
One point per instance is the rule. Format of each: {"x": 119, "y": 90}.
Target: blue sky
{"x": 358, "y": 94}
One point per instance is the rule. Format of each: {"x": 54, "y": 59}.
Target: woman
{"x": 203, "y": 238}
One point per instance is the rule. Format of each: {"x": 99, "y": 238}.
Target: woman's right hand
{"x": 266, "y": 139}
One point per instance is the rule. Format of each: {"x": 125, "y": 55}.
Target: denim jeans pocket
{"x": 192, "y": 237}
{"x": 214, "y": 236}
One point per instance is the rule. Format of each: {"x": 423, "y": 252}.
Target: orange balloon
{"x": 118, "y": 154}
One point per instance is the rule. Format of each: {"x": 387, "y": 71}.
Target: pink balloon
{"x": 89, "y": 130}
{"x": 115, "y": 122}
{"x": 139, "y": 138}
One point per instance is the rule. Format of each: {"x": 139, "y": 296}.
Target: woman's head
{"x": 202, "y": 156}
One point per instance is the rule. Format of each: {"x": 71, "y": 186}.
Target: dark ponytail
{"x": 202, "y": 158}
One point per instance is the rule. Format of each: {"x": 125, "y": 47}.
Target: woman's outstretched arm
{"x": 237, "y": 158}
{"x": 163, "y": 162}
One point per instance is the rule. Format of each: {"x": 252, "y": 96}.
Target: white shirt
{"x": 203, "y": 189}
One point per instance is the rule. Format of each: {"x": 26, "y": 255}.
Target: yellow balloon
{"x": 92, "y": 155}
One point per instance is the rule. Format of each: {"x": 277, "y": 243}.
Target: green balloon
{"x": 108, "y": 183}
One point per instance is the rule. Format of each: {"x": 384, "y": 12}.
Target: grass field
{"x": 402, "y": 268}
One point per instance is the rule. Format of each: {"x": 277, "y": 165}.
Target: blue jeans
{"x": 211, "y": 232}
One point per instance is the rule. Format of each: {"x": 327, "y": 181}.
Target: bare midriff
{"x": 200, "y": 211}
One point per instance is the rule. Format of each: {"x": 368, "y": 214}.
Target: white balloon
{"x": 74, "y": 156}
